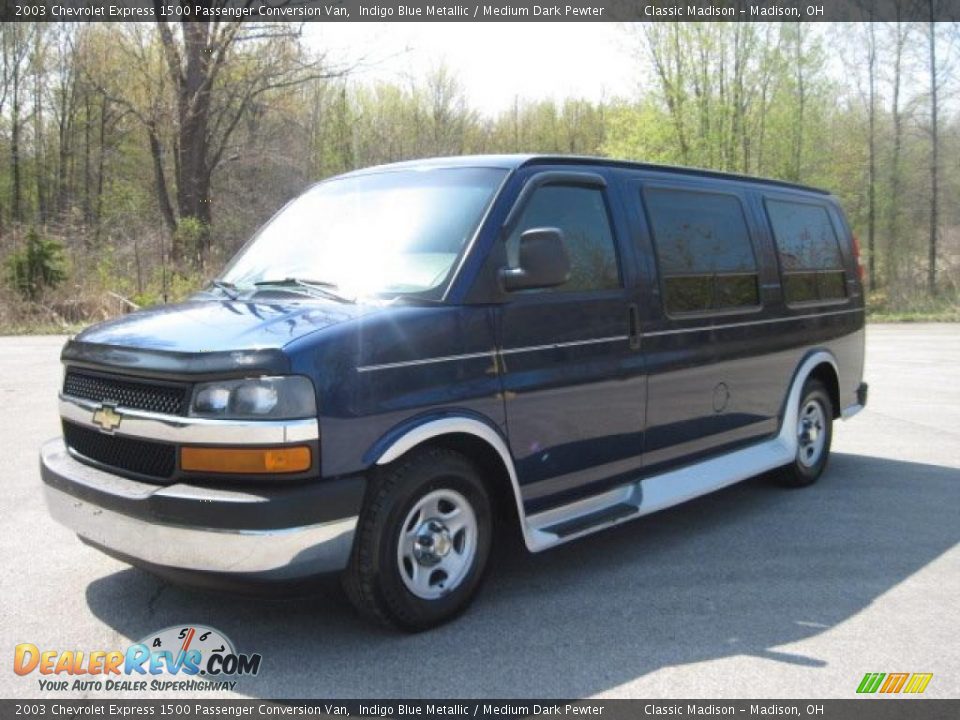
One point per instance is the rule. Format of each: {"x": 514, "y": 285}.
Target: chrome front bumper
{"x": 141, "y": 525}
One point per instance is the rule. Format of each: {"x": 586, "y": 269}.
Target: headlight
{"x": 269, "y": 398}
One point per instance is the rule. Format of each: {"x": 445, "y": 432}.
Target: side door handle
{"x": 633, "y": 323}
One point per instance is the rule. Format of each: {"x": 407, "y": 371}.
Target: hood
{"x": 209, "y": 335}
{"x": 219, "y": 325}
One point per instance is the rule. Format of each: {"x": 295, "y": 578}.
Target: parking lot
{"x": 752, "y": 592}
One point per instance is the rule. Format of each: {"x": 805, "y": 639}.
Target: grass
{"x": 40, "y": 328}
{"x": 914, "y": 316}
{"x": 943, "y": 308}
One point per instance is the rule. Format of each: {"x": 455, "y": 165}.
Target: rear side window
{"x": 581, "y": 214}
{"x": 809, "y": 252}
{"x": 704, "y": 252}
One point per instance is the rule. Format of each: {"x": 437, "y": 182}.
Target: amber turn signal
{"x": 251, "y": 461}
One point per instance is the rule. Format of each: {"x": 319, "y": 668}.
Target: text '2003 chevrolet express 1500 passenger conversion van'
{"x": 409, "y": 360}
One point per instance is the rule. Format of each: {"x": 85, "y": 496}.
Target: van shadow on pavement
{"x": 738, "y": 572}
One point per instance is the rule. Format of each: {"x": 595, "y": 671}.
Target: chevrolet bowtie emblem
{"x": 107, "y": 418}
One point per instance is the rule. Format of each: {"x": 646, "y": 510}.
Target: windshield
{"x": 387, "y": 233}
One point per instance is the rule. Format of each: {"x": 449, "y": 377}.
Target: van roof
{"x": 512, "y": 162}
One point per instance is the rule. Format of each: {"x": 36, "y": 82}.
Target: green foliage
{"x": 740, "y": 97}
{"x": 640, "y": 132}
{"x": 180, "y": 285}
{"x": 37, "y": 266}
{"x": 573, "y": 126}
{"x": 189, "y": 238}
{"x": 172, "y": 286}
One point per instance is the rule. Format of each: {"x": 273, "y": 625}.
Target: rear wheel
{"x": 422, "y": 542}
{"x": 814, "y": 436}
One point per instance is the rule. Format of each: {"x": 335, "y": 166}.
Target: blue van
{"x": 408, "y": 363}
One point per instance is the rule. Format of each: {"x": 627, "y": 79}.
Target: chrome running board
{"x": 654, "y": 493}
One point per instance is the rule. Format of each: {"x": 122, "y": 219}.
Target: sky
{"x": 494, "y": 61}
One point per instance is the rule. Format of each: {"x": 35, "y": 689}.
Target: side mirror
{"x": 543, "y": 261}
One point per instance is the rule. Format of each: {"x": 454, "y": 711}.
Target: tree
{"x": 799, "y": 125}
{"x": 900, "y": 32}
{"x": 871, "y": 51}
{"x": 216, "y": 84}
{"x": 195, "y": 84}
{"x": 733, "y": 96}
{"x": 39, "y": 265}
{"x": 663, "y": 43}
{"x": 934, "y": 69}
{"x": 448, "y": 113}
{"x": 16, "y": 48}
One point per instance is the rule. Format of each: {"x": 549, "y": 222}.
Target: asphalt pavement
{"x": 754, "y": 591}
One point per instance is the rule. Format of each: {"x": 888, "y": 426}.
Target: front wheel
{"x": 422, "y": 542}
{"x": 814, "y": 436}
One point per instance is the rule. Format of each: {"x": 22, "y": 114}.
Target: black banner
{"x": 853, "y": 709}
{"x": 472, "y": 11}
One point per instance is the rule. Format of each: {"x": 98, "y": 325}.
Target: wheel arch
{"x": 826, "y": 373}
{"x": 819, "y": 363}
{"x": 475, "y": 437}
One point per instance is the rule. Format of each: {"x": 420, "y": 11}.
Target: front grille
{"x": 142, "y": 457}
{"x": 169, "y": 399}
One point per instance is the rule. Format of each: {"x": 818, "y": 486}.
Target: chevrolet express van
{"x": 409, "y": 362}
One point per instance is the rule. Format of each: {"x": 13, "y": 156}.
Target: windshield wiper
{"x": 322, "y": 288}
{"x": 228, "y": 288}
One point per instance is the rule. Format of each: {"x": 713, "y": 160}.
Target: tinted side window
{"x": 703, "y": 247}
{"x": 808, "y": 250}
{"x": 582, "y": 216}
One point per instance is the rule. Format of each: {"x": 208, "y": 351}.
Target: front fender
{"x": 416, "y": 431}
{"x": 406, "y": 435}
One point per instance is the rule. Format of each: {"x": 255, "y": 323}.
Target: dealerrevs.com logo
{"x": 189, "y": 658}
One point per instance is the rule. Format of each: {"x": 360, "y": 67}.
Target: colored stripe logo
{"x": 894, "y": 683}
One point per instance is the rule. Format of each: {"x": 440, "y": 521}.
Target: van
{"x": 408, "y": 363}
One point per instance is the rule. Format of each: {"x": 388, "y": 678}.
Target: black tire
{"x": 812, "y": 457}
{"x": 373, "y": 580}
